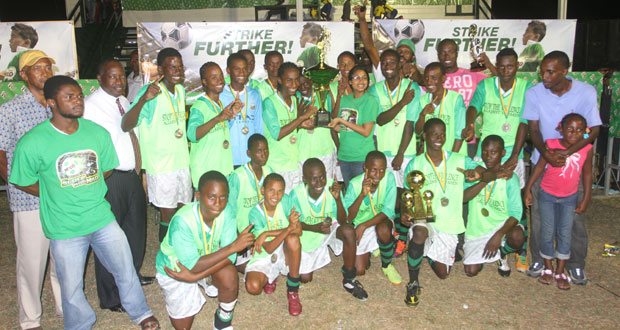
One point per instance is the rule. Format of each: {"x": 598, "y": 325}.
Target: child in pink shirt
{"x": 558, "y": 197}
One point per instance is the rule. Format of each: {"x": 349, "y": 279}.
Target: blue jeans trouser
{"x": 350, "y": 170}
{"x": 556, "y": 224}
{"x": 112, "y": 249}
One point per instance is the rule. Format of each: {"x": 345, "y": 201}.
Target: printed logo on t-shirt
{"x": 349, "y": 115}
{"x": 170, "y": 118}
{"x": 77, "y": 168}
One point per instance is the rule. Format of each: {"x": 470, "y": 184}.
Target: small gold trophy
{"x": 412, "y": 199}
{"x": 321, "y": 75}
{"x": 475, "y": 48}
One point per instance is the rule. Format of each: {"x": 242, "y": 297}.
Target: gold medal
{"x": 444, "y": 201}
{"x": 252, "y": 106}
{"x": 274, "y": 258}
{"x": 293, "y": 139}
{"x": 396, "y": 122}
{"x": 225, "y": 144}
{"x": 178, "y": 133}
{"x": 245, "y": 130}
{"x": 484, "y": 212}
{"x": 311, "y": 131}
{"x": 506, "y": 127}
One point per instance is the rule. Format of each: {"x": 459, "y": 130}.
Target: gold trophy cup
{"x": 412, "y": 204}
{"x": 475, "y": 48}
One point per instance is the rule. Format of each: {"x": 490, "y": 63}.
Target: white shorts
{"x": 291, "y": 179}
{"x": 319, "y": 257}
{"x": 439, "y": 246}
{"x": 243, "y": 258}
{"x": 519, "y": 171}
{"x": 399, "y": 175}
{"x": 368, "y": 243}
{"x": 271, "y": 269}
{"x": 329, "y": 161}
{"x": 473, "y": 248}
{"x": 182, "y": 299}
{"x": 170, "y": 189}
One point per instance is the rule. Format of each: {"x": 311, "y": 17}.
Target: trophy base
{"x": 424, "y": 220}
{"x": 322, "y": 119}
{"x": 476, "y": 67}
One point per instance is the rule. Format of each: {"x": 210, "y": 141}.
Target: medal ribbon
{"x": 256, "y": 181}
{"x": 288, "y": 109}
{"x": 322, "y": 207}
{"x": 245, "y": 105}
{"x": 270, "y": 84}
{"x": 208, "y": 248}
{"x": 372, "y": 205}
{"x": 443, "y": 160}
{"x": 174, "y": 110}
{"x": 501, "y": 97}
{"x": 488, "y": 192}
{"x": 442, "y": 99}
{"x": 389, "y": 93}
{"x": 275, "y": 217}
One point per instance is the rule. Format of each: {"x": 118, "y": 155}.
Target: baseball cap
{"x": 31, "y": 57}
{"x": 408, "y": 43}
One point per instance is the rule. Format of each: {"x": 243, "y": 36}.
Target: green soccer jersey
{"x": 353, "y": 146}
{"x": 446, "y": 183}
{"x": 244, "y": 192}
{"x": 452, "y": 112}
{"x": 69, "y": 169}
{"x": 390, "y": 135}
{"x": 316, "y": 142}
{"x": 189, "y": 238}
{"x": 266, "y": 89}
{"x": 381, "y": 201}
{"x": 163, "y": 142}
{"x": 213, "y": 150}
{"x": 500, "y": 116}
{"x": 493, "y": 205}
{"x": 313, "y": 212}
{"x": 283, "y": 154}
{"x": 263, "y": 222}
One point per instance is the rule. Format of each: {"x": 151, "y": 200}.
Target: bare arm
{"x": 473, "y": 191}
{"x": 369, "y": 46}
{"x": 4, "y": 163}
{"x": 32, "y": 189}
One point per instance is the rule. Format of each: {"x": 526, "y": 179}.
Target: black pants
{"x": 128, "y": 201}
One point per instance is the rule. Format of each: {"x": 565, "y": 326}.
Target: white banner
{"x": 542, "y": 36}
{"x": 56, "y": 39}
{"x": 201, "y": 42}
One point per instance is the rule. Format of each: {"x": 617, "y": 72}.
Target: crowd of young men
{"x": 248, "y": 197}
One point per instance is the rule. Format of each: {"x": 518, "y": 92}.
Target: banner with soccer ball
{"x": 531, "y": 39}
{"x": 56, "y": 39}
{"x": 201, "y": 42}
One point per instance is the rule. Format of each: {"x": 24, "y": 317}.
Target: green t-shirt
{"x": 213, "y": 151}
{"x": 448, "y": 218}
{"x": 504, "y": 201}
{"x": 383, "y": 199}
{"x": 531, "y": 57}
{"x": 390, "y": 135}
{"x": 452, "y": 112}
{"x": 265, "y": 89}
{"x": 263, "y": 223}
{"x": 313, "y": 212}
{"x": 487, "y": 100}
{"x": 353, "y": 146}
{"x": 161, "y": 117}
{"x": 244, "y": 192}
{"x": 283, "y": 154}
{"x": 316, "y": 142}
{"x": 189, "y": 238}
{"x": 69, "y": 169}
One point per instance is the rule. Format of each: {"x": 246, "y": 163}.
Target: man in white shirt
{"x": 125, "y": 192}
{"x": 134, "y": 80}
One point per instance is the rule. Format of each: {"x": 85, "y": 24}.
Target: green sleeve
{"x": 470, "y": 164}
{"x": 513, "y": 192}
{"x": 410, "y": 167}
{"x": 413, "y": 108}
{"x": 369, "y": 111}
{"x": 477, "y": 101}
{"x": 195, "y": 119}
{"x": 148, "y": 109}
{"x": 108, "y": 159}
{"x": 459, "y": 116}
{"x": 259, "y": 221}
{"x": 270, "y": 118}
{"x": 229, "y": 232}
{"x": 182, "y": 240}
{"x": 233, "y": 190}
{"x": 390, "y": 196}
{"x": 25, "y": 166}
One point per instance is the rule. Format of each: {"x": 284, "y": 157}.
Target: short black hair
{"x": 560, "y": 56}
{"x": 273, "y": 177}
{"x": 432, "y": 122}
{"x": 436, "y": 65}
{"x": 254, "y": 139}
{"x": 447, "y": 41}
{"x": 356, "y": 68}
{"x": 233, "y": 57}
{"x": 212, "y": 176}
{"x": 242, "y": 51}
{"x": 53, "y": 85}
{"x": 26, "y": 32}
{"x": 165, "y": 53}
{"x": 347, "y": 53}
{"x": 205, "y": 67}
{"x": 390, "y": 51}
{"x": 286, "y": 66}
{"x": 507, "y": 52}
{"x": 572, "y": 116}
{"x": 273, "y": 53}
{"x": 310, "y": 163}
{"x": 375, "y": 154}
{"x": 493, "y": 138}
{"x": 539, "y": 28}
{"x": 105, "y": 62}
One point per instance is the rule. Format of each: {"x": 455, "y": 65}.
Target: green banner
{"x": 8, "y": 90}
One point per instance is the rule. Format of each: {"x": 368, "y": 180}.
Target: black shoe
{"x": 146, "y": 280}
{"x": 116, "y": 309}
{"x": 413, "y": 291}
{"x": 356, "y": 289}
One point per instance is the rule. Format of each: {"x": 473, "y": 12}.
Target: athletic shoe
{"x": 535, "y": 270}
{"x": 218, "y": 324}
{"x": 269, "y": 288}
{"x": 400, "y": 249}
{"x": 503, "y": 268}
{"x": 577, "y": 276}
{"x": 294, "y": 304}
{"x": 413, "y": 291}
{"x": 521, "y": 263}
{"x": 211, "y": 291}
{"x": 392, "y": 274}
{"x": 376, "y": 253}
{"x": 356, "y": 289}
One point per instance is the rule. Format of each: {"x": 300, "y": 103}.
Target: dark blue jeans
{"x": 556, "y": 224}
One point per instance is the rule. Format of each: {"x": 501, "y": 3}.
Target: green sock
{"x": 402, "y": 230}
{"x": 386, "y": 253}
{"x": 292, "y": 283}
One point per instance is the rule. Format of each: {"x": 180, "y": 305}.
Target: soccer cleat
{"x": 356, "y": 289}
{"x": 218, "y": 324}
{"x": 577, "y": 276}
{"x": 376, "y": 253}
{"x": 294, "y": 304}
{"x": 534, "y": 270}
{"x": 269, "y": 288}
{"x": 503, "y": 268}
{"x": 392, "y": 274}
{"x": 211, "y": 291}
{"x": 521, "y": 263}
{"x": 413, "y": 291}
{"x": 400, "y": 249}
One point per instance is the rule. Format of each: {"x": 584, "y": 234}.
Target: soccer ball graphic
{"x": 176, "y": 35}
{"x": 412, "y": 29}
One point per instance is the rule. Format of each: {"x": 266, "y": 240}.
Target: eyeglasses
{"x": 360, "y": 78}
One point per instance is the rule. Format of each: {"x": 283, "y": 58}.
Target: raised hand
{"x": 468, "y": 132}
{"x": 244, "y": 239}
{"x": 153, "y": 90}
{"x": 366, "y": 184}
{"x": 409, "y": 94}
{"x": 334, "y": 189}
